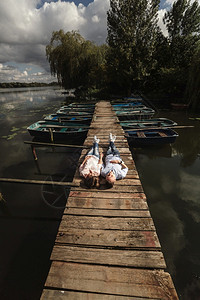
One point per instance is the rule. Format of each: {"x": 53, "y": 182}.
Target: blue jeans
{"x": 94, "y": 150}
{"x": 112, "y": 150}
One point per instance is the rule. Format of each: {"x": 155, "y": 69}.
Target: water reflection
{"x": 171, "y": 181}
{"x": 28, "y": 224}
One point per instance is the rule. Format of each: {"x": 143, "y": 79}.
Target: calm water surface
{"x": 29, "y": 220}
{"x": 171, "y": 179}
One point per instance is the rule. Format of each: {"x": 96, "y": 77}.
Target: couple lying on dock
{"x": 92, "y": 166}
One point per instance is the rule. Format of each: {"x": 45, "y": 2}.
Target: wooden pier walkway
{"x": 107, "y": 247}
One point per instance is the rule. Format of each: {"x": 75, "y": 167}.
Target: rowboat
{"x": 136, "y": 114}
{"x": 63, "y": 118}
{"x": 52, "y": 124}
{"x": 140, "y": 138}
{"x": 159, "y": 122}
{"x": 126, "y": 104}
{"x": 82, "y": 104}
{"x": 49, "y": 132}
{"x": 69, "y": 110}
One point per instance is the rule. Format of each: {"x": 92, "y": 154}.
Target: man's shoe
{"x": 96, "y": 140}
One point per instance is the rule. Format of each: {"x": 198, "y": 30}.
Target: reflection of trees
{"x": 188, "y": 145}
{"x": 152, "y": 152}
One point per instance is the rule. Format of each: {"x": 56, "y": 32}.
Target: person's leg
{"x": 109, "y": 151}
{"x": 115, "y": 151}
{"x": 96, "y": 149}
{"x": 91, "y": 151}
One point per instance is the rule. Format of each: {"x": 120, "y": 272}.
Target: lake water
{"x": 30, "y": 214}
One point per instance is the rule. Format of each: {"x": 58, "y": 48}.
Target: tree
{"x": 132, "y": 30}
{"x": 183, "y": 25}
{"x": 75, "y": 61}
{"x": 193, "y": 85}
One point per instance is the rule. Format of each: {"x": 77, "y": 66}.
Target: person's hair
{"x": 91, "y": 182}
{"x": 109, "y": 184}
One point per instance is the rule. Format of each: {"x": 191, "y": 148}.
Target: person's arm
{"x": 100, "y": 162}
{"x": 86, "y": 158}
{"x": 120, "y": 162}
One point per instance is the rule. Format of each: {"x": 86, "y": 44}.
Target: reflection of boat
{"x": 136, "y": 114}
{"x": 147, "y": 137}
{"x": 64, "y": 118}
{"x": 179, "y": 106}
{"x": 159, "y": 122}
{"x": 56, "y": 132}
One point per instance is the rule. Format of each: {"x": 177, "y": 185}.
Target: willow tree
{"x": 183, "y": 25}
{"x": 74, "y": 60}
{"x": 132, "y": 31}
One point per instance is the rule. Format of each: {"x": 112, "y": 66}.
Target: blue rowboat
{"x": 159, "y": 122}
{"x": 124, "y": 104}
{"x": 136, "y": 114}
{"x": 54, "y": 132}
{"x": 64, "y": 118}
{"x": 80, "y": 111}
{"x": 148, "y": 137}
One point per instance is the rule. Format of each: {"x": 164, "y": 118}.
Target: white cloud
{"x": 25, "y": 30}
{"x": 26, "y": 26}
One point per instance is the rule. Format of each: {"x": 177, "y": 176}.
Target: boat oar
{"x": 165, "y": 127}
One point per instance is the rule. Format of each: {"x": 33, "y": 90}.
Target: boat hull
{"x": 151, "y": 137}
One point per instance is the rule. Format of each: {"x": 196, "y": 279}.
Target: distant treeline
{"x": 25, "y": 84}
{"x": 137, "y": 55}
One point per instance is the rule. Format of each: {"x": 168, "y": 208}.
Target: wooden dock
{"x": 107, "y": 247}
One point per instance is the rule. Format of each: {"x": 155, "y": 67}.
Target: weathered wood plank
{"x": 103, "y": 223}
{"x": 116, "y": 188}
{"x": 107, "y": 203}
{"x": 110, "y": 280}
{"x": 109, "y": 238}
{"x": 73, "y": 295}
{"x": 125, "y": 213}
{"x": 126, "y": 258}
{"x": 108, "y": 194}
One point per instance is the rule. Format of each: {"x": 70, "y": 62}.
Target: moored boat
{"x": 140, "y": 138}
{"x": 126, "y": 104}
{"x": 48, "y": 132}
{"x": 158, "y": 122}
{"x": 136, "y": 114}
{"x": 64, "y": 118}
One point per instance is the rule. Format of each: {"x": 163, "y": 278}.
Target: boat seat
{"x": 162, "y": 134}
{"x": 141, "y": 134}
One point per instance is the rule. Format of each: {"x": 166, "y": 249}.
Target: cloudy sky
{"x": 26, "y": 27}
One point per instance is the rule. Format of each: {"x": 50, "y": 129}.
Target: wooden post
{"x": 34, "y": 152}
{"x": 51, "y": 135}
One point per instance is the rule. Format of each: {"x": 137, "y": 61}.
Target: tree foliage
{"x": 132, "y": 30}
{"x": 75, "y": 60}
{"x": 183, "y": 25}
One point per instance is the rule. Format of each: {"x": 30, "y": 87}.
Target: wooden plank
{"x": 110, "y": 280}
{"x": 109, "y": 238}
{"x": 103, "y": 223}
{"x": 125, "y": 213}
{"x": 108, "y": 194}
{"x": 107, "y": 203}
{"x": 115, "y": 188}
{"x": 126, "y": 258}
{"x": 74, "y": 295}
{"x": 29, "y": 181}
